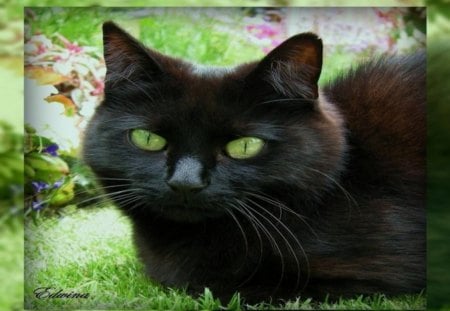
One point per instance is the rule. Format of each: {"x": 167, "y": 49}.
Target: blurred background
{"x": 63, "y": 77}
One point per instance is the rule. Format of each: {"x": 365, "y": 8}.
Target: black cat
{"x": 251, "y": 179}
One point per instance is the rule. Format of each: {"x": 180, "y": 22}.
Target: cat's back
{"x": 383, "y": 103}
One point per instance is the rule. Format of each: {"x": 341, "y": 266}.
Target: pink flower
{"x": 276, "y": 42}
{"x": 250, "y": 27}
{"x": 262, "y": 31}
{"x": 41, "y": 49}
{"x": 99, "y": 87}
{"x": 37, "y": 44}
{"x": 72, "y": 47}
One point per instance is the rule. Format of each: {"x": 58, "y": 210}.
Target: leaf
{"x": 44, "y": 76}
{"x": 69, "y": 106}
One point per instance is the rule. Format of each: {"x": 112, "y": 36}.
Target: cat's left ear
{"x": 293, "y": 68}
{"x": 125, "y": 57}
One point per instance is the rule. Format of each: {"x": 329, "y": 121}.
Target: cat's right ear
{"x": 293, "y": 68}
{"x": 125, "y": 57}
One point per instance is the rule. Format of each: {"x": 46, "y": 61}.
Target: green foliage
{"x": 201, "y": 39}
{"x": 438, "y": 7}
{"x": 414, "y": 19}
{"x": 336, "y": 63}
{"x": 11, "y": 172}
{"x": 52, "y": 179}
{"x": 79, "y": 25}
{"x": 47, "y": 175}
{"x": 149, "y": 3}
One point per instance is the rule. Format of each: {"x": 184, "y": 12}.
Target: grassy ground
{"x": 91, "y": 251}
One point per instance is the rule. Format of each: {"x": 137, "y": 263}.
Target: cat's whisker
{"x": 288, "y": 244}
{"x": 282, "y": 206}
{"x": 99, "y": 188}
{"x": 265, "y": 198}
{"x": 104, "y": 195}
{"x": 130, "y": 197}
{"x": 123, "y": 198}
{"x": 124, "y": 201}
{"x": 244, "y": 236}
{"x": 112, "y": 178}
{"x": 258, "y": 234}
{"x": 250, "y": 211}
{"x": 347, "y": 194}
{"x": 139, "y": 202}
{"x": 301, "y": 100}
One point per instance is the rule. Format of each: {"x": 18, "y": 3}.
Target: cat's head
{"x": 187, "y": 142}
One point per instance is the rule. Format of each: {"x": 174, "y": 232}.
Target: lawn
{"x": 90, "y": 250}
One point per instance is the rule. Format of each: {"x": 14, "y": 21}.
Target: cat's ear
{"x": 125, "y": 57}
{"x": 293, "y": 68}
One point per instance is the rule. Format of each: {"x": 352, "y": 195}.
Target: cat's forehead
{"x": 202, "y": 95}
{"x": 208, "y": 88}
{"x": 205, "y": 71}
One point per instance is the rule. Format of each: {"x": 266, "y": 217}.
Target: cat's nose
{"x": 186, "y": 186}
{"x": 187, "y": 177}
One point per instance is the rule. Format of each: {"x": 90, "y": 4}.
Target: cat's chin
{"x": 188, "y": 214}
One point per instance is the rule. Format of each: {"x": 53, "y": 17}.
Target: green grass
{"x": 79, "y": 25}
{"x": 201, "y": 38}
{"x": 11, "y": 263}
{"x": 91, "y": 251}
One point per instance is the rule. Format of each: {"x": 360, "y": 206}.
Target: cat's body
{"x": 333, "y": 203}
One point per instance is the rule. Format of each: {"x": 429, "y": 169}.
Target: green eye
{"x": 244, "y": 148}
{"x": 147, "y": 140}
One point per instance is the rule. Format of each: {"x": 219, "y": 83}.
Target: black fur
{"x": 333, "y": 205}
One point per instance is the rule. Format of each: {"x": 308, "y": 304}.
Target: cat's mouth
{"x": 189, "y": 212}
{"x": 190, "y": 208}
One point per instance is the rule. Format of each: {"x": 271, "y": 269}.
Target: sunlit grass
{"x": 91, "y": 251}
{"x": 197, "y": 36}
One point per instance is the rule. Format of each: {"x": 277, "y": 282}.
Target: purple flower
{"x": 37, "y": 205}
{"x": 52, "y": 150}
{"x": 39, "y": 186}
{"x": 58, "y": 184}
